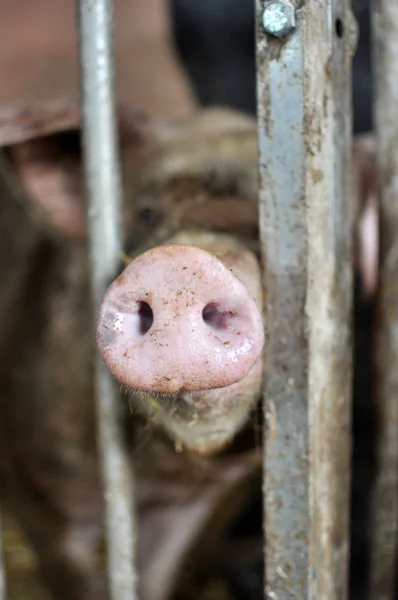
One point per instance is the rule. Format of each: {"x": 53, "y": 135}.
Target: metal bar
{"x": 104, "y": 209}
{"x": 3, "y": 589}
{"x": 384, "y": 517}
{"x": 304, "y": 53}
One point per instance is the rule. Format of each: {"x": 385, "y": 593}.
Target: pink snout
{"x": 177, "y": 319}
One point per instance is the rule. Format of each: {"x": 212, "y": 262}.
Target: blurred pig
{"x": 365, "y": 196}
{"x": 48, "y": 458}
{"x": 48, "y": 468}
{"x": 190, "y": 189}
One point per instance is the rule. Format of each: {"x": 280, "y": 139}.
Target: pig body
{"x": 47, "y": 447}
{"x": 177, "y": 192}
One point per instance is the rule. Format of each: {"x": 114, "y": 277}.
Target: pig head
{"x": 203, "y": 178}
{"x": 182, "y": 326}
{"x": 170, "y": 184}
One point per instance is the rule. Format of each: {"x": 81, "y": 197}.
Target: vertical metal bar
{"x": 3, "y": 590}
{"x": 104, "y": 209}
{"x": 384, "y": 518}
{"x": 304, "y": 120}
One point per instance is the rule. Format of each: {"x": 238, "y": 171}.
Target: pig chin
{"x": 204, "y": 422}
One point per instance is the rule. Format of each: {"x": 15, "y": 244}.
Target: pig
{"x": 182, "y": 198}
{"x": 48, "y": 465}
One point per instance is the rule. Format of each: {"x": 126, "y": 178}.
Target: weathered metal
{"x": 103, "y": 183}
{"x": 384, "y": 513}
{"x": 304, "y": 120}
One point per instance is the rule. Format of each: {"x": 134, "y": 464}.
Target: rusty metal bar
{"x": 3, "y": 589}
{"x": 304, "y": 52}
{"x": 103, "y": 183}
{"x": 384, "y": 517}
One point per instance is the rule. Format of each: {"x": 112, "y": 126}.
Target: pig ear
{"x": 366, "y": 211}
{"x": 41, "y": 140}
{"x": 43, "y": 144}
{"x": 25, "y": 121}
{"x": 49, "y": 168}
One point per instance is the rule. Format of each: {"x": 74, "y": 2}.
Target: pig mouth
{"x": 202, "y": 422}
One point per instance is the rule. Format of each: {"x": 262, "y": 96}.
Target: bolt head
{"x": 279, "y": 18}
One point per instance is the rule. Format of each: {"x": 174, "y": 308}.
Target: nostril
{"x": 145, "y": 315}
{"x": 216, "y": 318}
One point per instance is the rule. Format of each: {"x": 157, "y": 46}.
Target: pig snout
{"x": 177, "y": 319}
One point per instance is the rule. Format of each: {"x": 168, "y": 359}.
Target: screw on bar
{"x": 279, "y": 18}
{"x": 384, "y": 501}
{"x": 304, "y": 128}
{"x": 3, "y": 590}
{"x": 103, "y": 184}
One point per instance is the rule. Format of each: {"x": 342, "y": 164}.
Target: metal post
{"x": 384, "y": 518}
{"x": 104, "y": 210}
{"x": 3, "y": 589}
{"x": 304, "y": 52}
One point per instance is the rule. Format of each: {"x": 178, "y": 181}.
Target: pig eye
{"x": 147, "y": 216}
